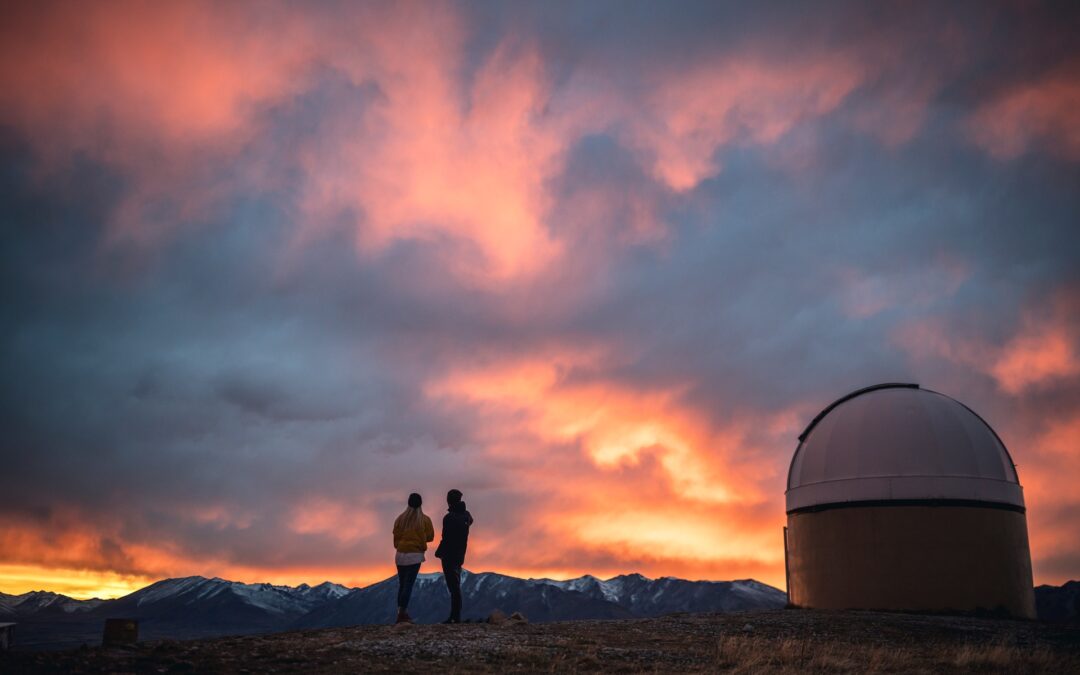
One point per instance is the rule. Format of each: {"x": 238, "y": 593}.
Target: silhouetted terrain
{"x": 194, "y": 607}
{"x": 1058, "y": 603}
{"x": 626, "y": 596}
{"x": 783, "y": 641}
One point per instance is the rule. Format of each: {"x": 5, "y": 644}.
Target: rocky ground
{"x": 794, "y": 641}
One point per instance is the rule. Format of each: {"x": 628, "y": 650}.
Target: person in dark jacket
{"x": 455, "y": 539}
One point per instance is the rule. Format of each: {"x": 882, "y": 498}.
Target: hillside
{"x": 1058, "y": 603}
{"x": 789, "y": 641}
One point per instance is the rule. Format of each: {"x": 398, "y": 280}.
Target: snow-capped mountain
{"x": 199, "y": 607}
{"x": 485, "y": 593}
{"x": 323, "y": 592}
{"x": 36, "y": 602}
{"x": 216, "y": 606}
{"x": 175, "y": 608}
{"x": 200, "y": 592}
{"x": 587, "y": 597}
{"x": 652, "y": 597}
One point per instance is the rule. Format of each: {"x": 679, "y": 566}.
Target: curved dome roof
{"x": 895, "y": 442}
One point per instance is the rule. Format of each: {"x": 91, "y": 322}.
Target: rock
{"x": 496, "y": 617}
{"x": 120, "y": 632}
{"x": 167, "y": 645}
{"x": 518, "y": 617}
{"x": 747, "y": 628}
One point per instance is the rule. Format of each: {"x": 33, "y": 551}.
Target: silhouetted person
{"x": 412, "y": 532}
{"x": 455, "y": 538}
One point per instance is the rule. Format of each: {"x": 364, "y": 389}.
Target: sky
{"x": 269, "y": 267}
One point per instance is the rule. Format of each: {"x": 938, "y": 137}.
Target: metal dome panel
{"x": 899, "y": 442}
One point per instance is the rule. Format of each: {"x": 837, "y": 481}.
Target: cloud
{"x": 1035, "y": 112}
{"x": 268, "y": 269}
{"x": 1043, "y": 349}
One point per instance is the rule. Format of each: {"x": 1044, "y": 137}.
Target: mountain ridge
{"x": 196, "y": 606}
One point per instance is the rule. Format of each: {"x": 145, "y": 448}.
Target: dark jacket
{"x": 455, "y": 535}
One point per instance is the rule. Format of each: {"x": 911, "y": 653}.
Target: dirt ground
{"x": 785, "y": 641}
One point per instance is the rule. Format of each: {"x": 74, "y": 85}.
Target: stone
{"x": 518, "y": 617}
{"x": 496, "y": 617}
{"x": 120, "y": 632}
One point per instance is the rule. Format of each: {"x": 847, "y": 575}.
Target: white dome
{"x": 897, "y": 442}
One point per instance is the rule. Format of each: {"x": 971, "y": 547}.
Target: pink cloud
{"x": 162, "y": 92}
{"x": 687, "y": 116}
{"x": 1044, "y": 349}
{"x": 1041, "y": 111}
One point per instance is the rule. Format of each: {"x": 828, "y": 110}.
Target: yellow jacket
{"x": 415, "y": 540}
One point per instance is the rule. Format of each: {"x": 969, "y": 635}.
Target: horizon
{"x": 269, "y": 268}
{"x": 351, "y": 587}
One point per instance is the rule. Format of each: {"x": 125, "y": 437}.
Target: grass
{"x": 762, "y": 642}
{"x": 742, "y": 654}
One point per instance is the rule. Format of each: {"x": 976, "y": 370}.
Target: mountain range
{"x": 586, "y": 597}
{"x": 192, "y": 607}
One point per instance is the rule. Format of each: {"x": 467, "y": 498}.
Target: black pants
{"x": 406, "y": 577}
{"x": 452, "y": 574}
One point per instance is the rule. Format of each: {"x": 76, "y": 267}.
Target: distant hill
{"x": 1058, "y": 603}
{"x": 192, "y": 607}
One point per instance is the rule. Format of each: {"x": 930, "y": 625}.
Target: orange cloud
{"x": 636, "y": 474}
{"x": 93, "y": 558}
{"x": 1048, "y": 462}
{"x": 74, "y": 583}
{"x": 339, "y": 521}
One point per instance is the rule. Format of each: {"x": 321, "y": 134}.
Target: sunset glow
{"x": 269, "y": 267}
{"x": 81, "y": 584}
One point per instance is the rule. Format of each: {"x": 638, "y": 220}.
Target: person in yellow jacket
{"x": 412, "y": 531}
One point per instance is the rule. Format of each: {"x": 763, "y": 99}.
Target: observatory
{"x": 902, "y": 498}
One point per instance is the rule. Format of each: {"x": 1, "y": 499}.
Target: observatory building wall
{"x": 911, "y": 557}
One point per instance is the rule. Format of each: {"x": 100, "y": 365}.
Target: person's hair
{"x": 412, "y": 518}
{"x": 453, "y": 497}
